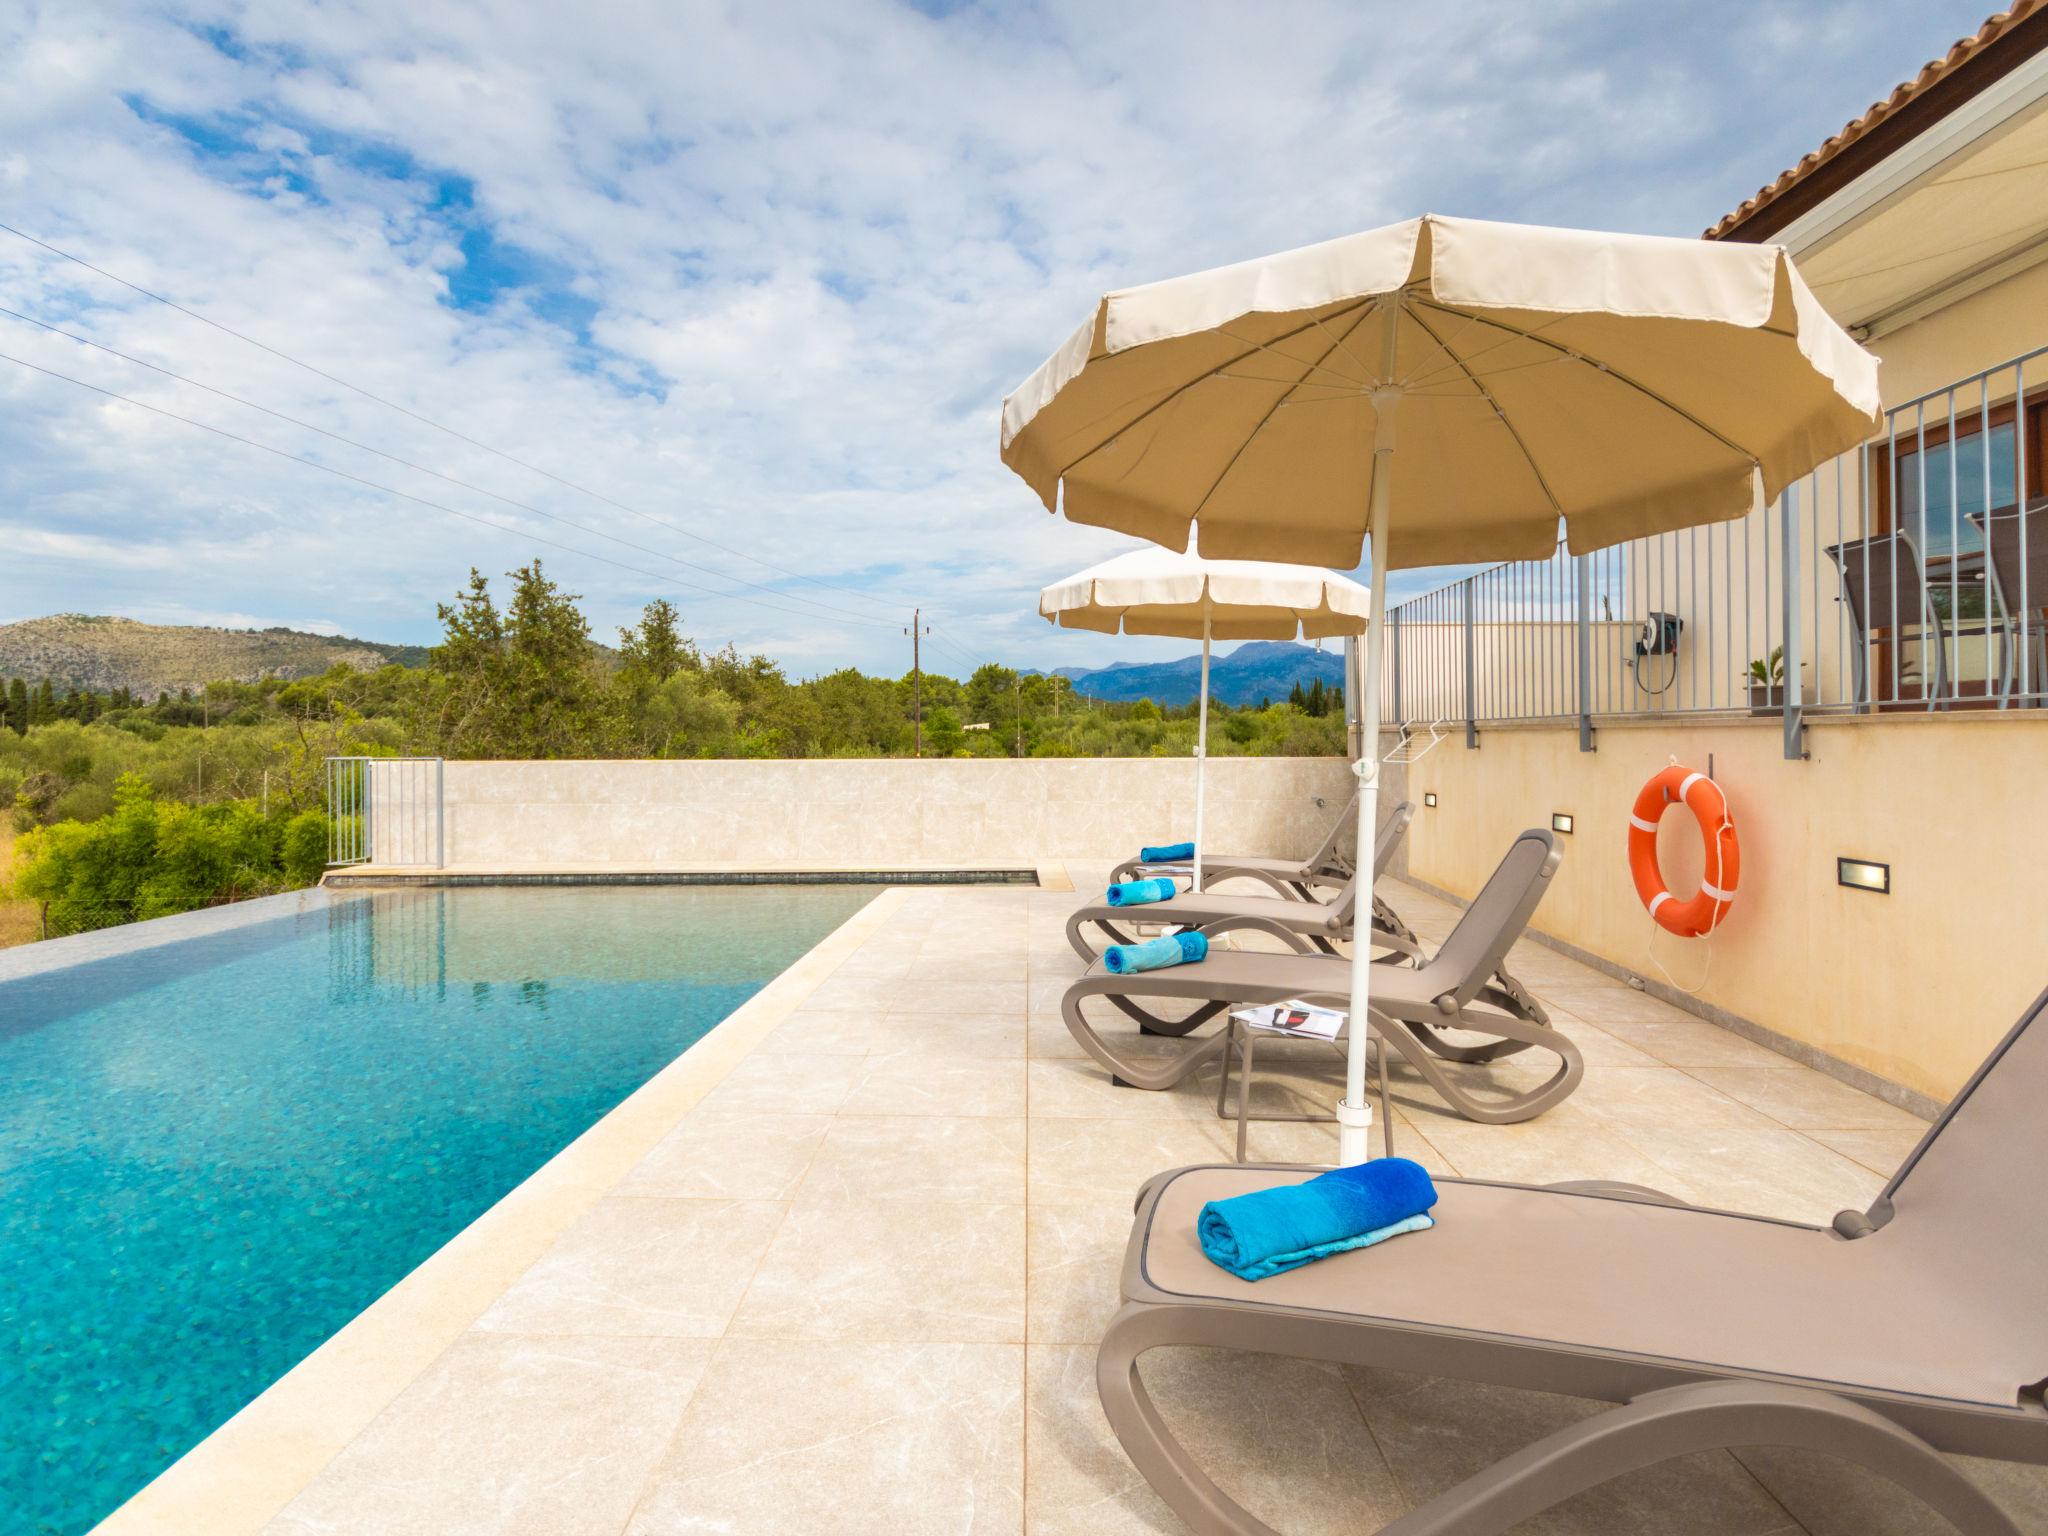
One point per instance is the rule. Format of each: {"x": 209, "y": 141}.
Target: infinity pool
{"x": 215, "y": 1152}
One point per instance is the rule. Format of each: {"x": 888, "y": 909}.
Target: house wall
{"x": 1913, "y": 987}
{"x": 869, "y": 813}
{"x": 1962, "y": 338}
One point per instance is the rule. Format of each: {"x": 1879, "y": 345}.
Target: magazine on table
{"x": 1293, "y": 1017}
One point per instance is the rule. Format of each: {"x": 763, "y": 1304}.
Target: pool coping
{"x": 242, "y": 1475}
{"x": 46, "y": 955}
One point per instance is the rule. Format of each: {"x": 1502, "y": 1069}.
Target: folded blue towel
{"x": 1154, "y": 954}
{"x": 1274, "y": 1230}
{"x": 1167, "y": 853}
{"x": 1135, "y": 893}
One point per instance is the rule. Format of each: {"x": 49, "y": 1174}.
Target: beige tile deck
{"x": 858, "y": 1286}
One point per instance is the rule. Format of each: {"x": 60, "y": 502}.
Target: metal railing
{"x": 1908, "y": 574}
{"x": 386, "y": 810}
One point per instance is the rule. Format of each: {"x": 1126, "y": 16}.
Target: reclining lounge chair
{"x": 1463, "y": 987}
{"x": 1898, "y": 1333}
{"x": 1323, "y": 922}
{"x": 1328, "y": 867}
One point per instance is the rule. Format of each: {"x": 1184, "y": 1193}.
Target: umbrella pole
{"x": 1202, "y": 748}
{"x": 1354, "y": 1111}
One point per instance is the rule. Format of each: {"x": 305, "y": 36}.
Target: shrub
{"x": 152, "y": 857}
{"x": 303, "y": 847}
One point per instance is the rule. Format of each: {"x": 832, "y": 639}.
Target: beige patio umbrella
{"x": 1620, "y": 384}
{"x": 1157, "y": 591}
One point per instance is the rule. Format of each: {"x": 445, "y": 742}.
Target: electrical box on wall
{"x": 1658, "y": 635}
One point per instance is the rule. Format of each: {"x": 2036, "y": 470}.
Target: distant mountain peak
{"x": 1255, "y": 670}
{"x": 103, "y": 652}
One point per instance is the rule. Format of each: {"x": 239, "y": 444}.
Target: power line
{"x": 389, "y": 490}
{"x": 427, "y": 420}
{"x": 86, "y": 341}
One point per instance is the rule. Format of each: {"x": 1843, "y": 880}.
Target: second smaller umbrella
{"x": 1157, "y": 591}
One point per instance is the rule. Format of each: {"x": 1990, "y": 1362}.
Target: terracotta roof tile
{"x": 1997, "y": 27}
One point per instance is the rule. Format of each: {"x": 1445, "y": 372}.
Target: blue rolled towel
{"x": 1154, "y": 954}
{"x": 1167, "y": 853}
{"x": 1135, "y": 893}
{"x": 1274, "y": 1230}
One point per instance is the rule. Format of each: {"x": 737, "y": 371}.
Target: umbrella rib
{"x": 1487, "y": 395}
{"x": 1180, "y": 389}
{"x": 1506, "y": 341}
{"x": 1230, "y": 464}
{"x": 1613, "y": 373}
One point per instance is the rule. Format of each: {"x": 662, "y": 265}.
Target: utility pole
{"x": 917, "y": 632}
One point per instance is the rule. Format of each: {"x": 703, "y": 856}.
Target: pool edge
{"x": 243, "y": 1474}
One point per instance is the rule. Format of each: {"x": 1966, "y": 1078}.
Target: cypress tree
{"x": 44, "y": 709}
{"x": 17, "y": 706}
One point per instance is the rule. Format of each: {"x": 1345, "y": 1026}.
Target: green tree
{"x": 943, "y": 736}
{"x": 655, "y": 649}
{"x": 17, "y": 706}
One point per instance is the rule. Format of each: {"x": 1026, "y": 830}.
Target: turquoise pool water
{"x": 216, "y": 1152}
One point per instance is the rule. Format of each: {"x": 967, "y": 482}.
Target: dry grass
{"x": 19, "y": 920}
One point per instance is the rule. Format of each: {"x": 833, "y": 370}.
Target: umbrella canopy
{"x": 1627, "y": 384}
{"x": 1620, "y": 384}
{"x": 1165, "y": 592}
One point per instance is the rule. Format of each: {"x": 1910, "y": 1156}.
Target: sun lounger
{"x": 1328, "y": 867}
{"x": 1322, "y": 921}
{"x": 1896, "y": 1334}
{"x": 1464, "y": 986}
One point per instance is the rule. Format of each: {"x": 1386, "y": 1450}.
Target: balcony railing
{"x": 1908, "y": 574}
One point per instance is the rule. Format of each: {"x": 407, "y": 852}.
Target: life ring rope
{"x": 1708, "y": 906}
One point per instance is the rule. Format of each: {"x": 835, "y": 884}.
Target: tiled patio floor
{"x": 859, "y": 1287}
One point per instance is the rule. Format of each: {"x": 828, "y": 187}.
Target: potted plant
{"x": 1767, "y": 682}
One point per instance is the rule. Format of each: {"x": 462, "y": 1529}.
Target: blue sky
{"x": 735, "y": 292}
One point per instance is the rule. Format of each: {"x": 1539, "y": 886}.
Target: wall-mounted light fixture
{"x": 1429, "y": 798}
{"x": 1864, "y": 875}
{"x": 1560, "y": 822}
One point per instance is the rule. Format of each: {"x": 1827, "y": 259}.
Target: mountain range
{"x": 76, "y": 650}
{"x": 103, "y": 653}
{"x": 1258, "y": 669}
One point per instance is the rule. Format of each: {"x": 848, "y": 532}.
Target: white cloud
{"x": 763, "y": 272}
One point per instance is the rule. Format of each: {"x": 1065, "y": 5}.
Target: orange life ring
{"x": 1702, "y": 796}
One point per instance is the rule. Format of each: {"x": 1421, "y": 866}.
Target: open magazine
{"x": 1293, "y": 1018}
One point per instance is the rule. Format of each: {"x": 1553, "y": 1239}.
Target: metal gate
{"x": 386, "y": 810}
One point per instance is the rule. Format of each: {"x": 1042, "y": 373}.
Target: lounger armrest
{"x": 1614, "y": 1189}
{"x": 1265, "y": 925}
{"x": 1273, "y": 882}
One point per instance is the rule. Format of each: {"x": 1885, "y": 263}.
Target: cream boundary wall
{"x": 1914, "y": 987}
{"x": 874, "y": 813}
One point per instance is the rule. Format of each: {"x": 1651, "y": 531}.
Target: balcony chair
{"x": 1883, "y": 580}
{"x": 2016, "y": 552}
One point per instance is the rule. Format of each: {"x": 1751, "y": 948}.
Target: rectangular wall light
{"x": 1429, "y": 798}
{"x": 1560, "y": 822}
{"x": 1864, "y": 875}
